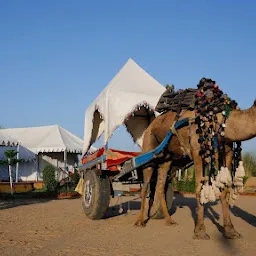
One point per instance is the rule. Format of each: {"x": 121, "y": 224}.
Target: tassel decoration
{"x": 203, "y": 200}
{"x": 218, "y": 183}
{"x": 238, "y": 182}
{"x": 216, "y": 190}
{"x": 233, "y": 196}
{"x": 240, "y": 189}
{"x": 212, "y": 197}
{"x": 228, "y": 175}
{"x": 240, "y": 172}
{"x": 207, "y": 190}
{"x": 238, "y": 179}
{"x": 209, "y": 193}
{"x": 223, "y": 175}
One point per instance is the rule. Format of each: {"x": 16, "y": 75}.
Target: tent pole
{"x": 65, "y": 159}
{"x": 17, "y": 164}
{"x": 10, "y": 174}
{"x": 37, "y": 166}
{"x": 36, "y": 163}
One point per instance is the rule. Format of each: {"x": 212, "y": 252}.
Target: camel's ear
{"x": 254, "y": 103}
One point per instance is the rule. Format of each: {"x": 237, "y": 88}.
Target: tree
{"x": 11, "y": 160}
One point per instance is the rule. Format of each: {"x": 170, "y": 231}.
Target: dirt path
{"x": 59, "y": 227}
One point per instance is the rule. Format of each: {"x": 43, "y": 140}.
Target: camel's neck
{"x": 241, "y": 125}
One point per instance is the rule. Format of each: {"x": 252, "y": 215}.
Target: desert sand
{"x": 59, "y": 227}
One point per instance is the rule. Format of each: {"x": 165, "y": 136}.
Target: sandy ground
{"x": 59, "y": 227}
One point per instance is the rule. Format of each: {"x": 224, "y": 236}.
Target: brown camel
{"x": 240, "y": 126}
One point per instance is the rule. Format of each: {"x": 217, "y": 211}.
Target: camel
{"x": 240, "y": 126}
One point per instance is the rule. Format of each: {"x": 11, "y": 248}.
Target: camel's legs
{"x": 229, "y": 230}
{"x": 152, "y": 187}
{"x": 149, "y": 143}
{"x": 147, "y": 174}
{"x": 200, "y": 230}
{"x": 160, "y": 186}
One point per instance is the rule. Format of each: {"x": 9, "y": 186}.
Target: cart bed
{"x": 112, "y": 157}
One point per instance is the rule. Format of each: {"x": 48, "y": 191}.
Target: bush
{"x": 49, "y": 178}
{"x": 188, "y": 185}
{"x": 249, "y": 164}
{"x": 245, "y": 179}
{"x": 75, "y": 178}
{"x": 70, "y": 186}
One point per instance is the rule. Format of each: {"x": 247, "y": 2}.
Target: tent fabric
{"x": 130, "y": 99}
{"x": 40, "y": 146}
{"x": 24, "y": 153}
{"x": 27, "y": 172}
{"x": 42, "y": 139}
{"x": 6, "y": 140}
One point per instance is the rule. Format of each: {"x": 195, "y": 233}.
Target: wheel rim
{"x": 87, "y": 194}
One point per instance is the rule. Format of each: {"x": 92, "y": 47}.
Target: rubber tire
{"x": 100, "y": 197}
{"x": 156, "y": 209}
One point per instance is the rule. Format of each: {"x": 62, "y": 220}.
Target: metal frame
{"x": 93, "y": 163}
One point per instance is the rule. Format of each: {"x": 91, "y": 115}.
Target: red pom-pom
{"x": 199, "y": 94}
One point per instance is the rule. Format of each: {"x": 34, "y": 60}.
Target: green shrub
{"x": 49, "y": 178}
{"x": 249, "y": 164}
{"x": 188, "y": 185}
{"x": 65, "y": 188}
{"x": 75, "y": 178}
{"x": 245, "y": 179}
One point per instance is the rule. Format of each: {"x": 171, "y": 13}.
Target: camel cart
{"x": 107, "y": 166}
{"x": 129, "y": 99}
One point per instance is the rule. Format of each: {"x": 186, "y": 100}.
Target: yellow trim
{"x": 17, "y": 187}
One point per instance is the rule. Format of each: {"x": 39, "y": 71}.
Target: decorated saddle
{"x": 207, "y": 100}
{"x": 207, "y": 93}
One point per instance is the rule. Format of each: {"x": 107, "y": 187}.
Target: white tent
{"x": 9, "y": 143}
{"x": 43, "y": 145}
{"x": 6, "y": 140}
{"x": 130, "y": 99}
{"x": 42, "y": 139}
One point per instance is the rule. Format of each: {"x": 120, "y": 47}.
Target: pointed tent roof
{"x": 53, "y": 138}
{"x": 131, "y": 88}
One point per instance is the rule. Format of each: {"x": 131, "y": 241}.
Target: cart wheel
{"x": 156, "y": 209}
{"x": 96, "y": 195}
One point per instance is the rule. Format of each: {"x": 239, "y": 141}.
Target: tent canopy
{"x": 51, "y": 138}
{"x": 130, "y": 99}
{"x": 6, "y": 140}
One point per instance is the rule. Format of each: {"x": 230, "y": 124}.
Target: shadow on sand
{"x": 190, "y": 202}
{"x": 11, "y": 203}
{"x": 8, "y": 201}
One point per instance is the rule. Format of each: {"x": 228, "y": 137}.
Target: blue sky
{"x": 57, "y": 56}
